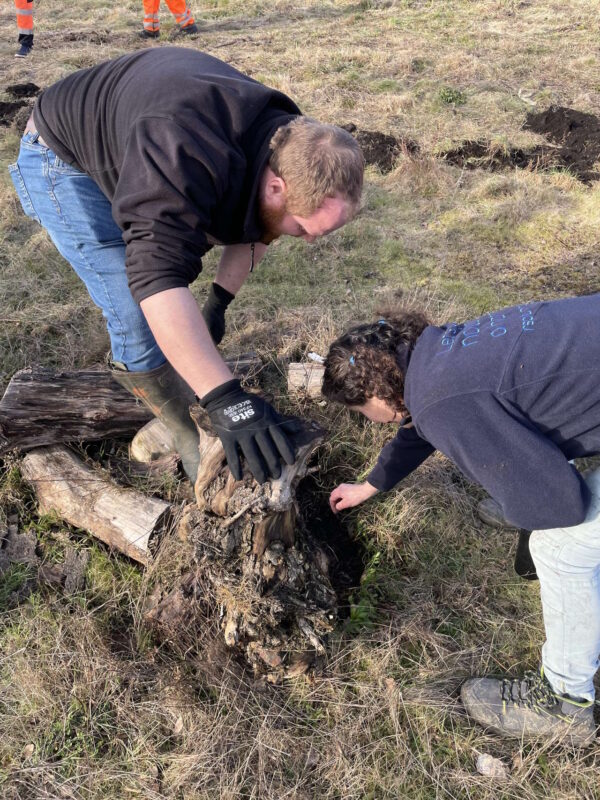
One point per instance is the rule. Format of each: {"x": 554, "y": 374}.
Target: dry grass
{"x": 90, "y": 707}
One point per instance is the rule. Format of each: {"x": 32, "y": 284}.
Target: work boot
{"x": 528, "y": 708}
{"x": 189, "y": 29}
{"x": 144, "y": 34}
{"x": 169, "y": 397}
{"x": 23, "y": 51}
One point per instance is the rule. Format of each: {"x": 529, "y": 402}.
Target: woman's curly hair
{"x": 365, "y": 361}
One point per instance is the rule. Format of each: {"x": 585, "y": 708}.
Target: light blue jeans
{"x": 78, "y": 218}
{"x": 567, "y": 562}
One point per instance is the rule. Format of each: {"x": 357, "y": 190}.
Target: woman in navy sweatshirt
{"x": 510, "y": 398}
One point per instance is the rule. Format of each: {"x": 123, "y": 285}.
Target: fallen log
{"x": 253, "y": 565}
{"x": 42, "y": 407}
{"x": 124, "y": 519}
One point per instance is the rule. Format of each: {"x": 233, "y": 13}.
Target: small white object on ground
{"x": 492, "y": 767}
{"x": 316, "y": 357}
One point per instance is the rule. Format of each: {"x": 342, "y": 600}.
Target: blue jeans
{"x": 78, "y": 218}
{"x": 567, "y": 561}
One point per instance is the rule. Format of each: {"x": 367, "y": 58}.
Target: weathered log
{"x": 305, "y": 378}
{"x": 152, "y": 442}
{"x": 86, "y": 498}
{"x": 252, "y": 562}
{"x": 42, "y": 407}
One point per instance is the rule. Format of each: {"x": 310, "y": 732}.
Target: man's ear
{"x": 275, "y": 189}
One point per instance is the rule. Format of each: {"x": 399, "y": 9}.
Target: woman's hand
{"x": 348, "y": 495}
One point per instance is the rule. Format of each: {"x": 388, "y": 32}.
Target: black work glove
{"x": 248, "y": 423}
{"x": 214, "y": 311}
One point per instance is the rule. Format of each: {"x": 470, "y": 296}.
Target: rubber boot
{"x": 169, "y": 397}
{"x": 524, "y": 565}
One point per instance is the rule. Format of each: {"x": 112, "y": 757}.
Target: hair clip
{"x": 352, "y": 361}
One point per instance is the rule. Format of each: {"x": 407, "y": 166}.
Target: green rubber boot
{"x": 169, "y": 397}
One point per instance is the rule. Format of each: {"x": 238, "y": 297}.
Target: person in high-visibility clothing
{"x": 180, "y": 10}
{"x": 25, "y": 27}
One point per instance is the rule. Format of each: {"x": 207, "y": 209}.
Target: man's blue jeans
{"x": 78, "y": 218}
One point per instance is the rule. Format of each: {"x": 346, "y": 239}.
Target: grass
{"x": 90, "y": 706}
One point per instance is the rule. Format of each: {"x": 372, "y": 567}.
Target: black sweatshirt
{"x": 177, "y": 141}
{"x": 510, "y": 398}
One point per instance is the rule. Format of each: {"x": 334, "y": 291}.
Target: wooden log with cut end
{"x": 253, "y": 564}
{"x": 305, "y": 378}
{"x": 43, "y": 407}
{"x": 152, "y": 442}
{"x": 86, "y": 498}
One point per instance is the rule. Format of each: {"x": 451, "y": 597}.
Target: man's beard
{"x": 270, "y": 222}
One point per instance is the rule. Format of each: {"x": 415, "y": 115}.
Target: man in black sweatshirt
{"x": 136, "y": 168}
{"x": 511, "y": 398}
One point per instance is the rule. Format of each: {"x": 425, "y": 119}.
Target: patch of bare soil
{"x": 23, "y": 89}
{"x": 574, "y": 144}
{"x": 8, "y": 111}
{"x": 89, "y": 37}
{"x": 381, "y": 149}
{"x": 576, "y": 133}
{"x": 479, "y": 155}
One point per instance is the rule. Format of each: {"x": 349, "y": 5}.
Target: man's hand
{"x": 214, "y": 311}
{"x": 248, "y": 423}
{"x": 348, "y": 495}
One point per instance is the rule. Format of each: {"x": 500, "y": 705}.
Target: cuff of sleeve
{"x": 148, "y": 291}
{"x": 219, "y": 392}
{"x": 221, "y": 294}
{"x": 377, "y": 478}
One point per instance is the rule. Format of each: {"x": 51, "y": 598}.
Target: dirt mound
{"x": 8, "y": 111}
{"x": 575, "y": 145}
{"x": 91, "y": 37}
{"x": 576, "y": 133}
{"x": 480, "y": 155}
{"x": 23, "y": 89}
{"x": 380, "y": 149}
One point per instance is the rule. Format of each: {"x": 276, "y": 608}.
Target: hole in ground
{"x": 380, "y": 149}
{"x": 8, "y": 111}
{"x": 479, "y": 155}
{"x": 347, "y": 556}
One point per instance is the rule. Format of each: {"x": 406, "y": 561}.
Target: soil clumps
{"x": 574, "y": 144}
{"x": 381, "y": 149}
{"x": 23, "y": 89}
{"x": 8, "y": 111}
{"x": 576, "y": 133}
{"x": 480, "y": 155}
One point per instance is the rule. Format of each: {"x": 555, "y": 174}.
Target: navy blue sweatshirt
{"x": 510, "y": 398}
{"x": 177, "y": 141}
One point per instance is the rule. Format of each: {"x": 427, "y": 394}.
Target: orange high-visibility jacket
{"x": 24, "y": 16}
{"x": 179, "y": 8}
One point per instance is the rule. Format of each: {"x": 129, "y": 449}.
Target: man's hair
{"x": 316, "y": 161}
{"x": 370, "y": 360}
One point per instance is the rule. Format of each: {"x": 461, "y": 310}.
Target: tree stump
{"x": 254, "y": 565}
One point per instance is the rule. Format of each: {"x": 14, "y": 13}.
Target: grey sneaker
{"x": 528, "y": 708}
{"x": 490, "y": 513}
